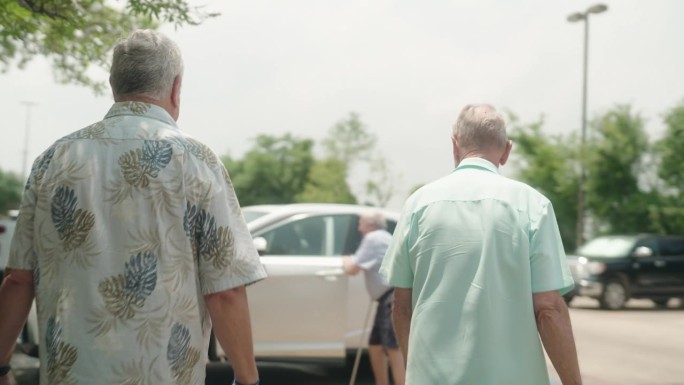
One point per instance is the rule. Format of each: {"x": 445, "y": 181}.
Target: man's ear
{"x": 506, "y": 153}
{"x": 175, "y": 92}
{"x": 455, "y": 150}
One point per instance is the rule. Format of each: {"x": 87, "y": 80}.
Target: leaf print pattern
{"x": 125, "y": 294}
{"x": 61, "y": 356}
{"x": 93, "y": 131}
{"x": 139, "y": 165}
{"x": 181, "y": 356}
{"x": 40, "y": 166}
{"x": 210, "y": 242}
{"x": 198, "y": 149}
{"x": 73, "y": 226}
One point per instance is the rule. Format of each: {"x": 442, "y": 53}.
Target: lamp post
{"x": 584, "y": 16}
{"x": 24, "y": 166}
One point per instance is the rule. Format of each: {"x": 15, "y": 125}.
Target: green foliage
{"x": 671, "y": 150}
{"x": 549, "y": 164}
{"x": 349, "y": 141}
{"x": 380, "y": 188}
{"x": 275, "y": 170}
{"x": 326, "y": 183}
{"x": 11, "y": 189}
{"x": 614, "y": 165}
{"x": 76, "y": 35}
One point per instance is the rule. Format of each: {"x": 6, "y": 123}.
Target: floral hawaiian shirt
{"x": 127, "y": 224}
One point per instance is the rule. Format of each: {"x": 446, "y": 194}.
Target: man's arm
{"x": 16, "y": 297}
{"x": 349, "y": 266}
{"x": 229, "y": 313}
{"x": 402, "y": 312}
{"x": 555, "y": 330}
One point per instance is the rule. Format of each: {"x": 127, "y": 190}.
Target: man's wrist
{"x": 235, "y": 382}
{"x": 4, "y": 369}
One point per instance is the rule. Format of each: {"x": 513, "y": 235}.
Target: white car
{"x": 307, "y": 307}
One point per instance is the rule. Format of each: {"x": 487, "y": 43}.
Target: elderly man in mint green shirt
{"x": 479, "y": 270}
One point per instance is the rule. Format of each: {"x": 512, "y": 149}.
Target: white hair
{"x": 480, "y": 127}
{"x": 145, "y": 63}
{"x": 375, "y": 218}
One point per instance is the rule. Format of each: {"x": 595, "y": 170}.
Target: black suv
{"x": 616, "y": 268}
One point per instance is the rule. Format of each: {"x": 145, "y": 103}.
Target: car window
{"x": 346, "y": 234}
{"x": 608, "y": 247}
{"x": 670, "y": 247}
{"x": 300, "y": 237}
{"x": 252, "y": 215}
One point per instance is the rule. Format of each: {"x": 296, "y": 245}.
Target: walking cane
{"x": 357, "y": 359}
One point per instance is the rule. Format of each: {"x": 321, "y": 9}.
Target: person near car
{"x": 478, "y": 268}
{"x": 383, "y": 350}
{"x": 131, "y": 238}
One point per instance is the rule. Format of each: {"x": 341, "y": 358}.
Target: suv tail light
{"x": 2, "y": 229}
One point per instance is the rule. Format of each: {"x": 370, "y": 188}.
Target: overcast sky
{"x": 407, "y": 67}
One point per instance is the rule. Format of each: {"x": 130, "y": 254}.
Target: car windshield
{"x": 252, "y": 215}
{"x": 607, "y": 247}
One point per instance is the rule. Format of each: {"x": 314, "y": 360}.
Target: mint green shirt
{"x": 473, "y": 247}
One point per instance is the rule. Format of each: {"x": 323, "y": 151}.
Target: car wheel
{"x": 661, "y": 302}
{"x": 614, "y": 296}
{"x": 568, "y": 298}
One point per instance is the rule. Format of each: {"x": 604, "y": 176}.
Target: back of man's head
{"x": 480, "y": 127}
{"x": 374, "y": 218}
{"x": 145, "y": 63}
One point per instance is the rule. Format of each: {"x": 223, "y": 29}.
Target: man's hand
{"x": 7, "y": 379}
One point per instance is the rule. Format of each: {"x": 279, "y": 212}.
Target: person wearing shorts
{"x": 383, "y": 349}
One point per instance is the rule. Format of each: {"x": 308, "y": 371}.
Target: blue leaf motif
{"x": 53, "y": 337}
{"x": 190, "y": 220}
{"x": 63, "y": 207}
{"x": 155, "y": 156}
{"x": 140, "y": 275}
{"x": 177, "y": 350}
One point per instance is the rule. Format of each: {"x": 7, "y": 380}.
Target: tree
{"x": 11, "y": 189}
{"x": 615, "y": 162}
{"x": 669, "y": 212}
{"x": 352, "y": 143}
{"x": 549, "y": 163}
{"x": 380, "y": 188}
{"x": 327, "y": 183}
{"x": 349, "y": 141}
{"x": 275, "y": 170}
{"x": 76, "y": 35}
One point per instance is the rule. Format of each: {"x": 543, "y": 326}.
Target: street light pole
{"x": 583, "y": 16}
{"x": 27, "y": 130}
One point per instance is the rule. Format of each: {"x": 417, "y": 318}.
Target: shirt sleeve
{"x": 223, "y": 245}
{"x": 396, "y": 265}
{"x": 366, "y": 255}
{"x": 549, "y": 266}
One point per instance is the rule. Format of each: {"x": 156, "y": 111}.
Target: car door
{"x": 300, "y": 309}
{"x": 671, "y": 264}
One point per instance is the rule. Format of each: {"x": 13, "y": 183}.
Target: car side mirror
{"x": 643, "y": 252}
{"x": 260, "y": 244}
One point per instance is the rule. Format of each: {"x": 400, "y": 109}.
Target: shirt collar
{"x": 478, "y": 163}
{"x": 141, "y": 109}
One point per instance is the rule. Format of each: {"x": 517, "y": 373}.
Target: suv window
{"x": 300, "y": 237}
{"x": 608, "y": 247}
{"x": 670, "y": 247}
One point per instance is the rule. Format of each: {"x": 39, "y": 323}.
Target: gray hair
{"x": 145, "y": 64}
{"x": 375, "y": 218}
{"x": 481, "y": 127}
